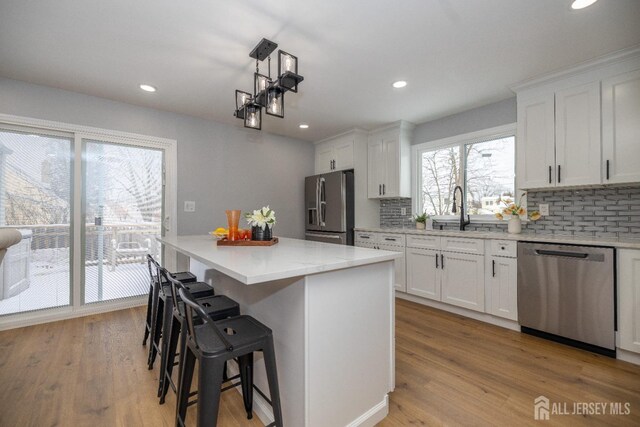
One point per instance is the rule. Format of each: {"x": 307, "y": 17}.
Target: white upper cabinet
{"x": 621, "y": 128}
{"x": 559, "y": 138}
{"x": 389, "y": 162}
{"x": 536, "y": 142}
{"x": 581, "y": 127}
{"x": 578, "y": 135}
{"x": 335, "y": 154}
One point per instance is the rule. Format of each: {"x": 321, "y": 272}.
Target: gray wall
{"x": 219, "y": 166}
{"x": 485, "y": 117}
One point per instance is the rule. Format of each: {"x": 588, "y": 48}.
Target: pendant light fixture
{"x": 268, "y": 93}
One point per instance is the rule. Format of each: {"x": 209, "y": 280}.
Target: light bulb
{"x": 252, "y": 119}
{"x": 288, "y": 63}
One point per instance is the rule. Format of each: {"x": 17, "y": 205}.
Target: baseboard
{"x": 20, "y": 320}
{"x": 373, "y": 416}
{"x": 483, "y": 317}
{"x": 628, "y": 356}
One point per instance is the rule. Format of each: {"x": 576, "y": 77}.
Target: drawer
{"x": 365, "y": 236}
{"x": 423, "y": 242}
{"x": 504, "y": 248}
{"x": 392, "y": 239}
{"x": 464, "y": 245}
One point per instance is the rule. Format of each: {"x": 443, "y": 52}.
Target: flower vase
{"x": 515, "y": 225}
{"x": 420, "y": 225}
{"x": 258, "y": 233}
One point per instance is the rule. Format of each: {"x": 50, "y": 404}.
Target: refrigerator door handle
{"x": 323, "y": 236}
{"x": 323, "y": 202}
{"x": 318, "y": 202}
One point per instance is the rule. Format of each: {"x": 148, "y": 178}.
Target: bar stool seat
{"x": 212, "y": 344}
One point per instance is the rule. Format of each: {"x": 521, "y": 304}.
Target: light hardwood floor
{"x": 450, "y": 371}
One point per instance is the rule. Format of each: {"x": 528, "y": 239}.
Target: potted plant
{"x": 513, "y": 212}
{"x": 421, "y": 220}
{"x": 261, "y": 222}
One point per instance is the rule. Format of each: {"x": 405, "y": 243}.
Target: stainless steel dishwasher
{"x": 567, "y": 293}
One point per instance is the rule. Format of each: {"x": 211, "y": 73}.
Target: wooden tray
{"x": 248, "y": 242}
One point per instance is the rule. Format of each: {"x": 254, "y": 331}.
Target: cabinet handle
{"x": 436, "y": 261}
{"x": 384, "y": 190}
{"x": 442, "y": 260}
{"x": 493, "y": 267}
{"x": 559, "y": 174}
{"x": 388, "y": 239}
{"x": 549, "y": 174}
{"x": 379, "y": 189}
{"x": 364, "y": 237}
{"x": 607, "y": 170}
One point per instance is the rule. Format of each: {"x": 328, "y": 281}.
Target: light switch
{"x": 403, "y": 211}
{"x": 189, "y": 206}
{"x": 544, "y": 209}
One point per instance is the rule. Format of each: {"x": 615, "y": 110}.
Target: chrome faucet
{"x": 463, "y": 223}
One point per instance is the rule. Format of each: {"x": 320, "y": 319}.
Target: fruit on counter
{"x": 220, "y": 231}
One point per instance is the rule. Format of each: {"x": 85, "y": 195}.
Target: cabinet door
{"x": 391, "y": 156}
{"x": 621, "y": 128}
{"x": 324, "y": 158}
{"x": 463, "y": 280}
{"x": 375, "y": 169}
{"x": 343, "y": 150}
{"x": 400, "y": 266}
{"x": 629, "y": 299}
{"x": 578, "y": 139}
{"x": 501, "y": 287}
{"x": 423, "y": 273}
{"x": 536, "y": 142}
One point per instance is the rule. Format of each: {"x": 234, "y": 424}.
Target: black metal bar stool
{"x": 163, "y": 308}
{"x": 184, "y": 277}
{"x": 217, "y": 307}
{"x": 213, "y": 343}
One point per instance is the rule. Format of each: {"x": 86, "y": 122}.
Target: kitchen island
{"x": 331, "y": 309}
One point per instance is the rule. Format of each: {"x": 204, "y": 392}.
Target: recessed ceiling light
{"x": 147, "y": 88}
{"x": 303, "y": 126}
{"x": 399, "y": 84}
{"x": 581, "y": 4}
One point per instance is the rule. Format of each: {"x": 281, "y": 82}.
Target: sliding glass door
{"x": 36, "y": 199}
{"x": 90, "y": 205}
{"x": 122, "y": 211}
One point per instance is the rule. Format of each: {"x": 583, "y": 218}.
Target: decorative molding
{"x": 619, "y": 56}
{"x": 345, "y": 133}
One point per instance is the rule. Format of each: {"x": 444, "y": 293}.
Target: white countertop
{"x": 288, "y": 258}
{"x": 622, "y": 243}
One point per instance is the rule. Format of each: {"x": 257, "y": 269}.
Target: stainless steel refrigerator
{"x": 329, "y": 207}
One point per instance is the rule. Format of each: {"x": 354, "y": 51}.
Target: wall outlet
{"x": 403, "y": 211}
{"x": 543, "y": 208}
{"x": 189, "y": 206}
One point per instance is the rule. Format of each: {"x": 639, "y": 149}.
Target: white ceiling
{"x": 455, "y": 54}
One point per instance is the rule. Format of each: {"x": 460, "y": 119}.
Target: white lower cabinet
{"x": 462, "y": 280}
{"x": 400, "y": 266}
{"x": 423, "y": 273}
{"x": 387, "y": 242}
{"x": 629, "y": 299}
{"x": 450, "y": 277}
{"x": 501, "y": 287}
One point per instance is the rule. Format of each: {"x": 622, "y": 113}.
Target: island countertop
{"x": 288, "y": 258}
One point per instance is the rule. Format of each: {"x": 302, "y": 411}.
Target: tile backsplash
{"x": 599, "y": 212}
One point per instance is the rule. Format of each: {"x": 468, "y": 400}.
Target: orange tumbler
{"x": 233, "y": 219}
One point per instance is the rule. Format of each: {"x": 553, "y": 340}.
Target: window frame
{"x": 461, "y": 140}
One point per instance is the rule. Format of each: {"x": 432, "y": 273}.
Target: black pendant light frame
{"x": 287, "y": 80}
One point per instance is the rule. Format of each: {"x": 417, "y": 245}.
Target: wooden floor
{"x": 450, "y": 371}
